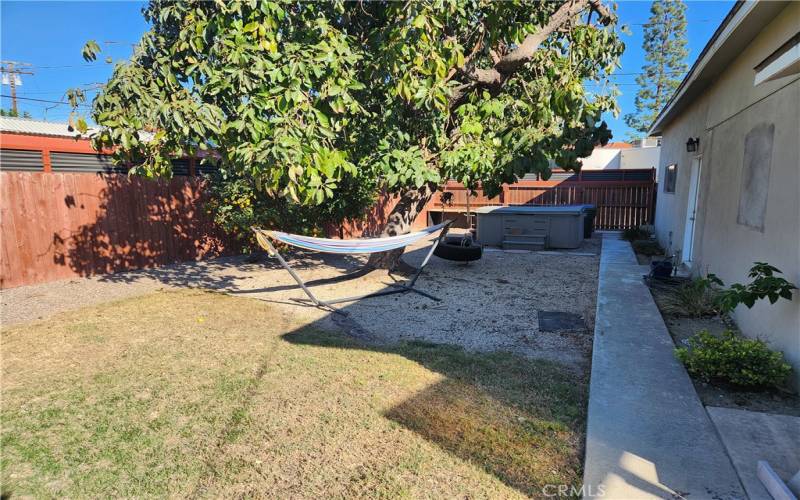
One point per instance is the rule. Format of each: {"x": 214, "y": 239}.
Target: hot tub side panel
{"x": 565, "y": 225}
{"x": 490, "y": 229}
{"x": 566, "y": 231}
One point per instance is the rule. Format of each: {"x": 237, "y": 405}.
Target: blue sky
{"x": 50, "y": 35}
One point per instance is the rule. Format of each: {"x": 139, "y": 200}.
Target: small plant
{"x": 764, "y": 284}
{"x": 695, "y": 299}
{"x": 734, "y": 359}
{"x": 647, "y": 247}
{"x": 635, "y": 233}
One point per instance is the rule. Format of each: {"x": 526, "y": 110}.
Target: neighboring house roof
{"x": 28, "y": 126}
{"x": 617, "y": 145}
{"x": 37, "y": 127}
{"x": 743, "y": 23}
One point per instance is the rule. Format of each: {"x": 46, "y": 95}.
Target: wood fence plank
{"x": 59, "y": 225}
{"x": 620, "y": 204}
{"x": 10, "y": 248}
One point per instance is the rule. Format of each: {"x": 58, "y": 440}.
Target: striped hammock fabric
{"x": 356, "y": 246}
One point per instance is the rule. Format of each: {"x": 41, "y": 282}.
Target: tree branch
{"x": 506, "y": 65}
{"x": 468, "y": 58}
{"x": 512, "y": 61}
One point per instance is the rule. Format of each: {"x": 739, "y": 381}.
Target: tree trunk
{"x": 402, "y": 216}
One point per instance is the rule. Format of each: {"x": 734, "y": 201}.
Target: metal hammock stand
{"x": 358, "y": 246}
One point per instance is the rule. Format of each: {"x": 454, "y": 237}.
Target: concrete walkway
{"x": 751, "y": 436}
{"x": 648, "y": 435}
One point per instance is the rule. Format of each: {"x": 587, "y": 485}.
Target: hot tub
{"x": 531, "y": 228}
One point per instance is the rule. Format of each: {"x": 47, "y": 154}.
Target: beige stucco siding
{"x": 722, "y": 117}
{"x": 734, "y": 89}
{"x": 671, "y": 207}
{"x": 728, "y": 248}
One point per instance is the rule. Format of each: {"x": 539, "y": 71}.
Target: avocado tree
{"x": 301, "y": 99}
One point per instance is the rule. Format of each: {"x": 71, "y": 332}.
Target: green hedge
{"x": 732, "y": 358}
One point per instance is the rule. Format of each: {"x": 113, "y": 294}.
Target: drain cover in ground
{"x": 559, "y": 321}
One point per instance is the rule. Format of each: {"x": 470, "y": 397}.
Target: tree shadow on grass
{"x": 519, "y": 419}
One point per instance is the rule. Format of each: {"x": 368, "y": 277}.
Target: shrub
{"x": 647, "y": 247}
{"x": 635, "y": 233}
{"x": 764, "y": 285}
{"x": 695, "y": 299}
{"x": 237, "y": 202}
{"x": 735, "y": 359}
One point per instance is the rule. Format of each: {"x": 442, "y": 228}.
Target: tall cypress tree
{"x": 665, "y": 52}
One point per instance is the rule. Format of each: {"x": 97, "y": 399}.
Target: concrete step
{"x": 524, "y": 244}
{"x": 525, "y": 237}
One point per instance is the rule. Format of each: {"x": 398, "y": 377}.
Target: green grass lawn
{"x": 201, "y": 394}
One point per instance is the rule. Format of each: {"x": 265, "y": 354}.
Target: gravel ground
{"x": 28, "y": 303}
{"x": 488, "y": 305}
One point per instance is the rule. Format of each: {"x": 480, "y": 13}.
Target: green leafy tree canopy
{"x": 300, "y": 97}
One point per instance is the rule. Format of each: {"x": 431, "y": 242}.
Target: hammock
{"x": 355, "y": 246}
{"x": 369, "y": 245}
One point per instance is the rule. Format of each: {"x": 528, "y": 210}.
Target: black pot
{"x": 661, "y": 268}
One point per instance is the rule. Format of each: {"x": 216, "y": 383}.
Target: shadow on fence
{"x": 133, "y": 224}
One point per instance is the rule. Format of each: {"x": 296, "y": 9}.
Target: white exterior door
{"x": 691, "y": 211}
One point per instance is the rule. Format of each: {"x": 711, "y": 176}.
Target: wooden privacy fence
{"x": 64, "y": 212}
{"x": 62, "y": 225}
{"x": 624, "y": 198}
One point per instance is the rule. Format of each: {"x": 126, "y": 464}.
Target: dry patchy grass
{"x": 192, "y": 393}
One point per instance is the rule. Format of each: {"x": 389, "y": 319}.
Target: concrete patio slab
{"x": 752, "y": 436}
{"x": 648, "y": 435}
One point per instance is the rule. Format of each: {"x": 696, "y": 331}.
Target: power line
{"x": 658, "y": 22}
{"x": 44, "y": 100}
{"x": 12, "y": 70}
{"x": 86, "y": 65}
{"x": 65, "y": 66}
{"x": 51, "y": 92}
{"x": 644, "y": 73}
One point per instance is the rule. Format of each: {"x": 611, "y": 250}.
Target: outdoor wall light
{"x": 692, "y": 144}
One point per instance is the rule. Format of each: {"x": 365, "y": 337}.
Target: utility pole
{"x": 12, "y": 69}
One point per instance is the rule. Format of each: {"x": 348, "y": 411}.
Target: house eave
{"x": 742, "y": 24}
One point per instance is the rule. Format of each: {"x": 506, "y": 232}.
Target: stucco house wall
{"x": 647, "y": 157}
{"x": 601, "y": 159}
{"x": 671, "y": 207}
{"x": 612, "y": 158}
{"x": 722, "y": 117}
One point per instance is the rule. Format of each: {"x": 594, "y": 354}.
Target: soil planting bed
{"x": 681, "y": 328}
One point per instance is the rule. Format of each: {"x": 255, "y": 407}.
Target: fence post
{"x": 48, "y": 167}
{"x": 653, "y": 203}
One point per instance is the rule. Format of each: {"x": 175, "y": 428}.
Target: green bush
{"x": 647, "y": 247}
{"x": 735, "y": 359}
{"x": 635, "y": 233}
{"x": 764, "y": 284}
{"x": 237, "y": 202}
